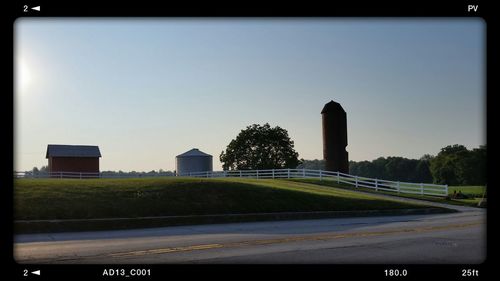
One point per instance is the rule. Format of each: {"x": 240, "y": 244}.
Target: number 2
{"x": 25, "y": 273}
{"x": 25, "y": 10}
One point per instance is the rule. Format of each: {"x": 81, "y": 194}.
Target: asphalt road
{"x": 457, "y": 238}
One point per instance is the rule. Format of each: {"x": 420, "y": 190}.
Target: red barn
{"x": 73, "y": 158}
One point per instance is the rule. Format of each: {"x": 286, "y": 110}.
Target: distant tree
{"x": 311, "y": 164}
{"x": 260, "y": 147}
{"x": 443, "y": 170}
{"x": 471, "y": 169}
{"x": 121, "y": 173}
{"x": 362, "y": 168}
{"x": 455, "y": 149}
{"x": 379, "y": 168}
{"x": 44, "y": 169}
{"x": 422, "y": 170}
{"x": 450, "y": 165}
{"x": 393, "y": 168}
{"x": 397, "y": 168}
{"x": 426, "y": 158}
{"x": 479, "y": 164}
{"x": 36, "y": 171}
{"x": 454, "y": 165}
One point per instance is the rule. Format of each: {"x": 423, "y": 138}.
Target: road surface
{"x": 457, "y": 238}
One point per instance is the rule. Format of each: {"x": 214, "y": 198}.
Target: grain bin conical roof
{"x": 193, "y": 153}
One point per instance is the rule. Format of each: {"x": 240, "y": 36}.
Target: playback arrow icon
{"x": 37, "y": 8}
{"x": 36, "y": 272}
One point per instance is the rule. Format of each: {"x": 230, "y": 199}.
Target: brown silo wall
{"x": 335, "y": 140}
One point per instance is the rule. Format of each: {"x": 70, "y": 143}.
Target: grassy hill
{"x": 36, "y": 199}
{"x": 475, "y": 193}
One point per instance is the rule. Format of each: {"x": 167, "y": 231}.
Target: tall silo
{"x": 335, "y": 138}
{"x": 193, "y": 160}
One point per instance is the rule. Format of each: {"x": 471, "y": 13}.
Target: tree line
{"x": 44, "y": 170}
{"x": 454, "y": 165}
{"x": 260, "y": 147}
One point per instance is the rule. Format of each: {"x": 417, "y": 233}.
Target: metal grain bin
{"x": 191, "y": 161}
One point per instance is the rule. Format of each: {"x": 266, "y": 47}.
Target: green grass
{"x": 470, "y": 191}
{"x": 474, "y": 192}
{"x": 111, "y": 198}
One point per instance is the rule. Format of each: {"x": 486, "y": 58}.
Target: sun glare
{"x": 24, "y": 76}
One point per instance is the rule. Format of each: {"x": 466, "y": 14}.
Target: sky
{"x": 146, "y": 90}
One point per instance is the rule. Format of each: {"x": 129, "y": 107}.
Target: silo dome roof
{"x": 193, "y": 153}
{"x": 332, "y": 107}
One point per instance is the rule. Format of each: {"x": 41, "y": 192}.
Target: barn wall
{"x": 74, "y": 164}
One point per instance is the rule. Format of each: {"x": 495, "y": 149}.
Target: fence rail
{"x": 356, "y": 181}
{"x": 79, "y": 175}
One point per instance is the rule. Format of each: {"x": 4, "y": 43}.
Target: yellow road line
{"x": 168, "y": 250}
{"x": 289, "y": 239}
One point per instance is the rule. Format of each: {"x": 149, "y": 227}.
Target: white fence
{"x": 78, "y": 175}
{"x": 356, "y": 181}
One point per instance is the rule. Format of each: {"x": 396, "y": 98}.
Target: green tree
{"x": 394, "y": 168}
{"x": 449, "y": 166}
{"x": 472, "y": 167}
{"x": 260, "y": 147}
{"x": 311, "y": 164}
{"x": 401, "y": 169}
{"x": 423, "y": 170}
{"x": 379, "y": 170}
{"x": 454, "y": 165}
{"x": 44, "y": 169}
{"x": 479, "y": 165}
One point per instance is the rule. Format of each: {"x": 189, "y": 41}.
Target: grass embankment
{"x": 475, "y": 193}
{"x": 51, "y": 199}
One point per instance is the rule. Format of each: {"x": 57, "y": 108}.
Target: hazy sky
{"x": 145, "y": 91}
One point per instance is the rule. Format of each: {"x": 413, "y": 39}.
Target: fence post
{"x": 446, "y": 189}
{"x": 320, "y": 175}
{"x": 240, "y": 173}
{"x": 80, "y": 175}
{"x": 338, "y": 177}
{"x": 376, "y": 184}
{"x": 356, "y": 181}
{"x": 398, "y": 187}
{"x": 288, "y": 172}
{"x": 273, "y": 174}
{"x": 304, "y": 172}
{"x": 257, "y": 174}
{"x": 60, "y": 175}
{"x": 421, "y": 189}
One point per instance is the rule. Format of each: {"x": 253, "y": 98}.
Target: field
{"x": 471, "y": 191}
{"x": 37, "y": 199}
{"x": 475, "y": 193}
